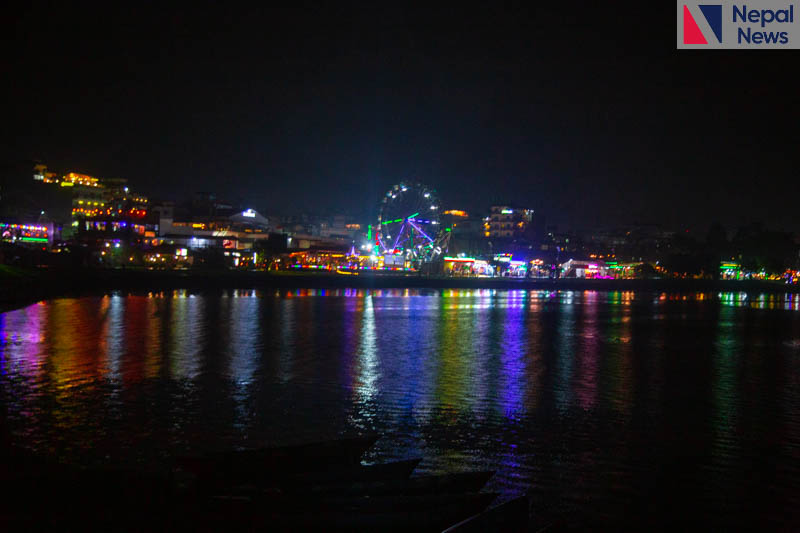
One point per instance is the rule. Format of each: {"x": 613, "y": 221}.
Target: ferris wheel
{"x": 408, "y": 222}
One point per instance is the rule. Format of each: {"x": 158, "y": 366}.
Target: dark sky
{"x": 588, "y": 115}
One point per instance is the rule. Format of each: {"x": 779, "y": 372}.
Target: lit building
{"x": 538, "y": 268}
{"x": 166, "y": 256}
{"x": 87, "y": 202}
{"x": 72, "y": 179}
{"x": 27, "y": 234}
{"x": 240, "y": 230}
{"x": 40, "y": 173}
{"x": 102, "y": 229}
{"x": 110, "y": 212}
{"x": 120, "y": 201}
{"x": 466, "y": 233}
{"x": 98, "y": 205}
{"x": 731, "y": 270}
{"x": 506, "y": 265}
{"x": 507, "y": 221}
{"x": 32, "y": 202}
{"x": 625, "y": 270}
{"x": 584, "y": 269}
{"x": 331, "y": 260}
{"x": 467, "y": 267}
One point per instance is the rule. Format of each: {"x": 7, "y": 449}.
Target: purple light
{"x": 420, "y": 230}
{"x": 397, "y": 240}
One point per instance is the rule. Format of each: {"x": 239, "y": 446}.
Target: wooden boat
{"x": 332, "y": 480}
{"x": 394, "y": 470}
{"x": 279, "y": 461}
{"x": 454, "y": 483}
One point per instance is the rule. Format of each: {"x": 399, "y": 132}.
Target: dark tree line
{"x": 753, "y": 247}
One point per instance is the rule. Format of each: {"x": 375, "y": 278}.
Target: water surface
{"x": 607, "y": 406}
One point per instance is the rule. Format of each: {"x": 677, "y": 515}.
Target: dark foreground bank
{"x": 20, "y": 287}
{"x": 314, "y": 487}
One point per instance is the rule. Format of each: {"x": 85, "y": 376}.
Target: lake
{"x": 607, "y": 407}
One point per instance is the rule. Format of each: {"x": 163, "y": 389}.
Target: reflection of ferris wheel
{"x": 408, "y": 223}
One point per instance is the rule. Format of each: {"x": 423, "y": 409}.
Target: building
{"x": 585, "y": 269}
{"x": 109, "y": 211}
{"x": 87, "y": 201}
{"x": 467, "y": 234}
{"x": 28, "y": 202}
{"x": 27, "y": 234}
{"x": 507, "y": 221}
{"x": 40, "y": 173}
{"x": 240, "y": 230}
{"x": 104, "y": 229}
{"x": 99, "y": 208}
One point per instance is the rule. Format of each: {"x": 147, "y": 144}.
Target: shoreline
{"x": 37, "y": 285}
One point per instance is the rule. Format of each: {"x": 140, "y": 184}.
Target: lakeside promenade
{"x": 22, "y": 287}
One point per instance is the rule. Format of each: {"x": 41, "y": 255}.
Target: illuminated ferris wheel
{"x": 408, "y": 222}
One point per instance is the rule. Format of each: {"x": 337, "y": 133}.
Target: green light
{"x": 398, "y": 220}
{"x": 447, "y": 229}
{"x": 412, "y": 216}
{"x": 32, "y": 239}
{"x": 369, "y": 232}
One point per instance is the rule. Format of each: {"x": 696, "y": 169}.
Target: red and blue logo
{"x": 712, "y": 13}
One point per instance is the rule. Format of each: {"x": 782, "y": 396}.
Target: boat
{"x": 332, "y": 480}
{"x": 278, "y": 461}
{"x": 394, "y": 470}
{"x": 427, "y": 512}
{"x": 453, "y": 483}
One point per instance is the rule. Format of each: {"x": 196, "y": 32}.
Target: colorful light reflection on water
{"x": 605, "y": 405}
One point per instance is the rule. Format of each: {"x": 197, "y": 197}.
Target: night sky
{"x": 588, "y": 115}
